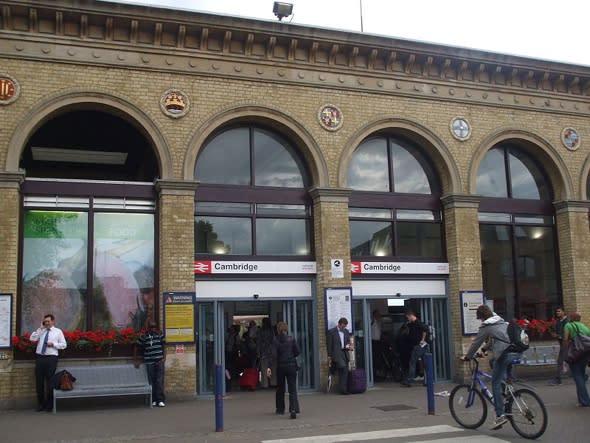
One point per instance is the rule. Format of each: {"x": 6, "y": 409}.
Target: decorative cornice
{"x": 137, "y": 37}
{"x": 451, "y": 201}
{"x": 330, "y": 195}
{"x": 564, "y": 206}
{"x": 11, "y": 180}
{"x": 176, "y": 187}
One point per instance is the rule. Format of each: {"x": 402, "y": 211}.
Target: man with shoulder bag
{"x": 576, "y": 349}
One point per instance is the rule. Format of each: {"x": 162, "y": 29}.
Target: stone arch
{"x": 441, "y": 158}
{"x": 71, "y": 101}
{"x": 286, "y": 125}
{"x": 539, "y": 148}
{"x": 583, "y": 180}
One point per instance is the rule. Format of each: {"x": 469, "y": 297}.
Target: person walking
{"x": 376, "y": 345}
{"x": 338, "y": 342}
{"x": 417, "y": 335}
{"x": 154, "y": 356}
{"x": 284, "y": 352}
{"x": 264, "y": 345}
{"x": 49, "y": 341}
{"x": 578, "y": 368}
{"x": 561, "y": 320}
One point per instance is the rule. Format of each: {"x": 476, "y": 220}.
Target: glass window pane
{"x": 54, "y": 272}
{"x": 419, "y": 240}
{"x": 537, "y": 277}
{"x": 497, "y": 268}
{"x": 494, "y": 217}
{"x": 369, "y": 169}
{"x": 370, "y": 239}
{"x": 226, "y": 159}
{"x": 276, "y": 162}
{"x": 526, "y": 178}
{"x": 123, "y": 270}
{"x": 282, "y": 237}
{"x": 491, "y": 178}
{"x": 370, "y": 213}
{"x": 223, "y": 208}
{"x": 408, "y": 214}
{"x": 293, "y": 210}
{"x": 539, "y": 220}
{"x": 409, "y": 175}
{"x": 223, "y": 235}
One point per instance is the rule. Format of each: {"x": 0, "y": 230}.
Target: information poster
{"x": 179, "y": 317}
{"x": 5, "y": 319}
{"x": 470, "y": 301}
{"x": 338, "y": 302}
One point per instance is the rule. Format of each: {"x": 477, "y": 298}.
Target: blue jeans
{"x": 417, "y": 353}
{"x": 498, "y": 376}
{"x": 155, "y": 372}
{"x": 578, "y": 370}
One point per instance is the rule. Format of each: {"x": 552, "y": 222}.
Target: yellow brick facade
{"x": 281, "y": 75}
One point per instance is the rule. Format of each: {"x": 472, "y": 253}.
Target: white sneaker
{"x": 499, "y": 422}
{"x": 161, "y": 404}
{"x": 154, "y": 403}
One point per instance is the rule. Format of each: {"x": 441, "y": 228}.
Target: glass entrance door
{"x": 210, "y": 329}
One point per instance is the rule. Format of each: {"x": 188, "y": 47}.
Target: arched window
{"x": 517, "y": 234}
{"x": 395, "y": 205}
{"x": 252, "y": 200}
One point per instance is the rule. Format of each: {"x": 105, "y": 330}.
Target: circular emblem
{"x": 330, "y": 117}
{"x": 174, "y": 103}
{"x": 570, "y": 138}
{"x": 9, "y": 89}
{"x": 460, "y": 128}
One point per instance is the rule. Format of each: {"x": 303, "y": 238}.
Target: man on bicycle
{"x": 494, "y": 330}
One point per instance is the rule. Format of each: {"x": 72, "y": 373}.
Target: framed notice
{"x": 338, "y": 304}
{"x": 5, "y": 320}
{"x": 179, "y": 317}
{"x": 470, "y": 301}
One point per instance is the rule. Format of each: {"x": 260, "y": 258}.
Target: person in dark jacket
{"x": 560, "y": 321}
{"x": 284, "y": 355}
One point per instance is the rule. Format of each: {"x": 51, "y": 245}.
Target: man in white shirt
{"x": 49, "y": 341}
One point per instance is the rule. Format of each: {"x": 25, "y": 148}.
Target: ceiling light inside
{"x": 78, "y": 156}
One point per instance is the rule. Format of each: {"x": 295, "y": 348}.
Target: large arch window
{"x": 395, "y": 205}
{"x": 252, "y": 200}
{"x": 517, "y": 235}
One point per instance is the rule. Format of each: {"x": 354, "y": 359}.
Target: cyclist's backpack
{"x": 519, "y": 339}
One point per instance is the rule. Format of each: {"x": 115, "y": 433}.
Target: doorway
{"x": 216, "y": 317}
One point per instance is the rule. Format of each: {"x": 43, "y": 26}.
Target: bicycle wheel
{"x": 527, "y": 413}
{"x": 468, "y": 407}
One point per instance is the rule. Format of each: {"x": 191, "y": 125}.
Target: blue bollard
{"x": 219, "y": 372}
{"x": 429, "y": 370}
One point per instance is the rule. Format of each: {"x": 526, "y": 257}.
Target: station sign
{"x": 254, "y": 267}
{"x": 362, "y": 267}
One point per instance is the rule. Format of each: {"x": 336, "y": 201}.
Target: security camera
{"x": 398, "y": 294}
{"x": 256, "y": 295}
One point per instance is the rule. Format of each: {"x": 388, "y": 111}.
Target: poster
{"x": 5, "y": 319}
{"x": 338, "y": 302}
{"x": 179, "y": 317}
{"x": 470, "y": 301}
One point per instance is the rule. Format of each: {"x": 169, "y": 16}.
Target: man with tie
{"x": 49, "y": 341}
{"x": 338, "y": 346}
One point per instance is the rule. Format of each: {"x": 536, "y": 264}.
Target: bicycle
{"x": 524, "y": 409}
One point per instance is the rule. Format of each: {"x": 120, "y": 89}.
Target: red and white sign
{"x": 371, "y": 267}
{"x": 254, "y": 267}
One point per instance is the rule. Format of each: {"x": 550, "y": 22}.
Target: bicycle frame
{"x": 477, "y": 381}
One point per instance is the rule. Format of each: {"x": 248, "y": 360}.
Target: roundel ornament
{"x": 9, "y": 89}
{"x": 570, "y": 138}
{"x": 460, "y": 128}
{"x": 330, "y": 117}
{"x": 174, "y": 103}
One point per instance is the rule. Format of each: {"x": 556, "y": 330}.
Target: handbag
{"x": 66, "y": 381}
{"x": 578, "y": 347}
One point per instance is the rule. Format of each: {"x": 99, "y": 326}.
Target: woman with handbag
{"x": 578, "y": 366}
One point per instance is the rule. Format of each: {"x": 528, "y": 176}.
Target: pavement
{"x": 387, "y": 412}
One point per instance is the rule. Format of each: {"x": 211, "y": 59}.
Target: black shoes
{"x": 40, "y": 408}
{"x": 279, "y": 412}
{"x": 293, "y": 415}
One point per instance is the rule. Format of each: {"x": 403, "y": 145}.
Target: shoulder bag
{"x": 578, "y": 347}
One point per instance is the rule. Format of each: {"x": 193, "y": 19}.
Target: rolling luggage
{"x": 249, "y": 379}
{"x": 357, "y": 381}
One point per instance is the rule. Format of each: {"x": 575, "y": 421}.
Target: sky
{"x": 541, "y": 29}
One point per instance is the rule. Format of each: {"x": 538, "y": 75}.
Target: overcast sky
{"x": 545, "y": 29}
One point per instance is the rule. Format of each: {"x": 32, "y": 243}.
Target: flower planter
{"x": 115, "y": 350}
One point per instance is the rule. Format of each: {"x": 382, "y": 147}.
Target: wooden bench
{"x": 105, "y": 381}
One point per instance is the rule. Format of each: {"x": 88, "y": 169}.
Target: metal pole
{"x": 429, "y": 370}
{"x": 361, "y": 6}
{"x": 219, "y": 372}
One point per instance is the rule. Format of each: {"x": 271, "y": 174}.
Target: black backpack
{"x": 518, "y": 338}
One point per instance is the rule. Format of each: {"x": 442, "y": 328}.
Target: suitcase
{"x": 249, "y": 379}
{"x": 357, "y": 381}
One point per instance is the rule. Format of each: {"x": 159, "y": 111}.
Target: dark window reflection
{"x": 276, "y": 163}
{"x": 370, "y": 238}
{"x": 526, "y": 178}
{"x": 226, "y": 159}
{"x": 409, "y": 174}
{"x": 282, "y": 237}
{"x": 419, "y": 239}
{"x": 368, "y": 169}
{"x": 223, "y": 235}
{"x": 491, "y": 179}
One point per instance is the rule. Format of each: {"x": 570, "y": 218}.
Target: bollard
{"x": 429, "y": 373}
{"x": 219, "y": 372}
